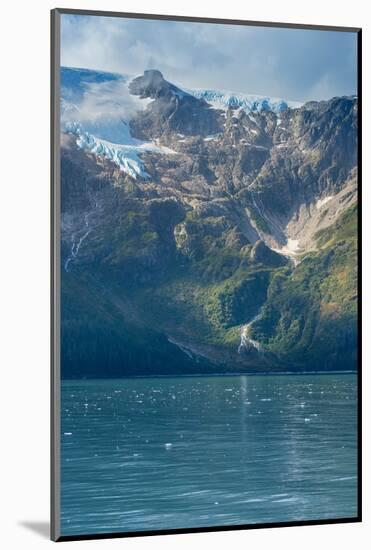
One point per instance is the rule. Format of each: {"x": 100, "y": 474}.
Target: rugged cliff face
{"x": 208, "y": 239}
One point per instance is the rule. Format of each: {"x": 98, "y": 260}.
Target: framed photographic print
{"x": 205, "y": 274}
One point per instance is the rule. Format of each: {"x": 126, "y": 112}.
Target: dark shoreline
{"x": 224, "y": 375}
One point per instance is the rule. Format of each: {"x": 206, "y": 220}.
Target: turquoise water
{"x": 168, "y": 453}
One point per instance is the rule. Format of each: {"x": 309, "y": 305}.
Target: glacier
{"x": 96, "y": 107}
{"x": 125, "y": 156}
{"x": 223, "y": 99}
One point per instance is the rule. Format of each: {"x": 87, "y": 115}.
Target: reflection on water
{"x": 167, "y": 453}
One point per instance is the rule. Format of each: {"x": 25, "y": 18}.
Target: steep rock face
{"x": 276, "y": 166}
{"x": 172, "y": 110}
{"x": 261, "y": 253}
{"x": 152, "y": 84}
{"x": 306, "y": 160}
{"x": 247, "y": 227}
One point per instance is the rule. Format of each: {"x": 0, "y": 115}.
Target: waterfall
{"x": 246, "y": 341}
{"x": 77, "y": 243}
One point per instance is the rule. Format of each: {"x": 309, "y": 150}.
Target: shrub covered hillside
{"x": 207, "y": 239}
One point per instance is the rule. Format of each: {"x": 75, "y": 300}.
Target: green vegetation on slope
{"x": 102, "y": 336}
{"x": 199, "y": 290}
{"x": 310, "y": 317}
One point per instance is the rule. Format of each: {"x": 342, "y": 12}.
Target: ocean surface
{"x": 167, "y": 453}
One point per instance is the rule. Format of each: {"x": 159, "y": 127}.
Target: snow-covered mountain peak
{"x": 97, "y": 107}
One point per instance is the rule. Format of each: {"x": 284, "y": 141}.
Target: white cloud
{"x": 108, "y": 101}
{"x": 287, "y": 63}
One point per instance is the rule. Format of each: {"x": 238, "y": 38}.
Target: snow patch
{"x": 292, "y": 246}
{"x": 290, "y": 250}
{"x": 322, "y": 202}
{"x": 211, "y": 138}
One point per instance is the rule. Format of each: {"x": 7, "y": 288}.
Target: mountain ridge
{"x": 217, "y": 215}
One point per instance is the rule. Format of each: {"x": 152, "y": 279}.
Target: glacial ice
{"x": 125, "y": 156}
{"x": 222, "y": 99}
{"x": 96, "y": 107}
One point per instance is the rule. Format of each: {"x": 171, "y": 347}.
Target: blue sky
{"x": 289, "y": 63}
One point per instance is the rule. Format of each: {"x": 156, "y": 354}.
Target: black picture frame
{"x": 55, "y": 276}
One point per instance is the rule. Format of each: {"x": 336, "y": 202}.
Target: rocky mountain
{"x": 205, "y": 236}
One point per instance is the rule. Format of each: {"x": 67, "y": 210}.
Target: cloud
{"x": 290, "y": 63}
{"x": 106, "y": 101}
{"x": 102, "y": 109}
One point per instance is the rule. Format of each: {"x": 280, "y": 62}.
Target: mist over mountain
{"x": 205, "y": 230}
